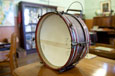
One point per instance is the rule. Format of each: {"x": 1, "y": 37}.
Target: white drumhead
{"x": 54, "y": 40}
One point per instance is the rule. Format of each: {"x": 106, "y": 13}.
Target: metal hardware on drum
{"x": 80, "y": 43}
{"x": 81, "y": 11}
{"x": 41, "y": 62}
{"x": 62, "y": 12}
{"x": 66, "y": 68}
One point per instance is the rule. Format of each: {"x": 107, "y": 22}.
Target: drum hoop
{"x": 71, "y": 54}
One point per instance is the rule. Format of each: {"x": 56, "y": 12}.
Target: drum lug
{"x": 80, "y": 43}
{"x": 41, "y": 62}
{"x": 60, "y": 13}
{"x": 70, "y": 25}
{"x": 66, "y": 68}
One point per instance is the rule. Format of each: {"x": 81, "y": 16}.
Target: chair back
{"x": 13, "y": 45}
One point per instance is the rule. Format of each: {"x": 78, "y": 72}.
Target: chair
{"x": 9, "y": 58}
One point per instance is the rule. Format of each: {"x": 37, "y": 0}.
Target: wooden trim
{"x": 36, "y": 4}
{"x": 89, "y": 23}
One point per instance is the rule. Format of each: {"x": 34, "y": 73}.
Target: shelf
{"x": 104, "y": 30}
{"x": 32, "y": 23}
{"x": 29, "y": 19}
{"x": 29, "y": 32}
{"x": 31, "y": 51}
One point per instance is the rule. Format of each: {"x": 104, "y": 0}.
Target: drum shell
{"x": 84, "y": 34}
{"x": 74, "y": 57}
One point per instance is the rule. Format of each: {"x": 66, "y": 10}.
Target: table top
{"x": 4, "y": 46}
{"x": 97, "y": 66}
{"x": 4, "y": 43}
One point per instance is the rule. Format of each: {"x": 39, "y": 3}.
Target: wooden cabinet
{"x": 113, "y": 21}
{"x": 30, "y": 14}
{"x": 97, "y": 21}
{"x": 104, "y": 21}
{"x": 106, "y": 30}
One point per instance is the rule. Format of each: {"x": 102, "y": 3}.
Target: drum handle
{"x": 74, "y": 10}
{"x": 81, "y": 11}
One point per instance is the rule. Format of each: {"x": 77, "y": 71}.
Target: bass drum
{"x": 61, "y": 39}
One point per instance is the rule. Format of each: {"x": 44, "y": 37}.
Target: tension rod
{"x": 80, "y": 43}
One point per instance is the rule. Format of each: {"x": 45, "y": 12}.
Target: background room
{"x": 19, "y": 20}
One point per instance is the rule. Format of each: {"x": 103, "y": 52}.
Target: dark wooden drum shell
{"x": 61, "y": 39}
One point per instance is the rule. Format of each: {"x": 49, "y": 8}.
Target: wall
{"x": 60, "y": 3}
{"x": 92, "y": 5}
{"x": 6, "y": 31}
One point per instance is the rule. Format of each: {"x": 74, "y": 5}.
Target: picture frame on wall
{"x": 105, "y": 7}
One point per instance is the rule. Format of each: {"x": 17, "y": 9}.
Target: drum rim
{"x": 71, "y": 53}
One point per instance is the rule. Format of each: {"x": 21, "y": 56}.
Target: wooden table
{"x": 87, "y": 67}
{"x": 4, "y": 50}
{"x": 4, "y": 46}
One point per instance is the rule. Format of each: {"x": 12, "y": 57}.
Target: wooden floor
{"x": 31, "y": 58}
